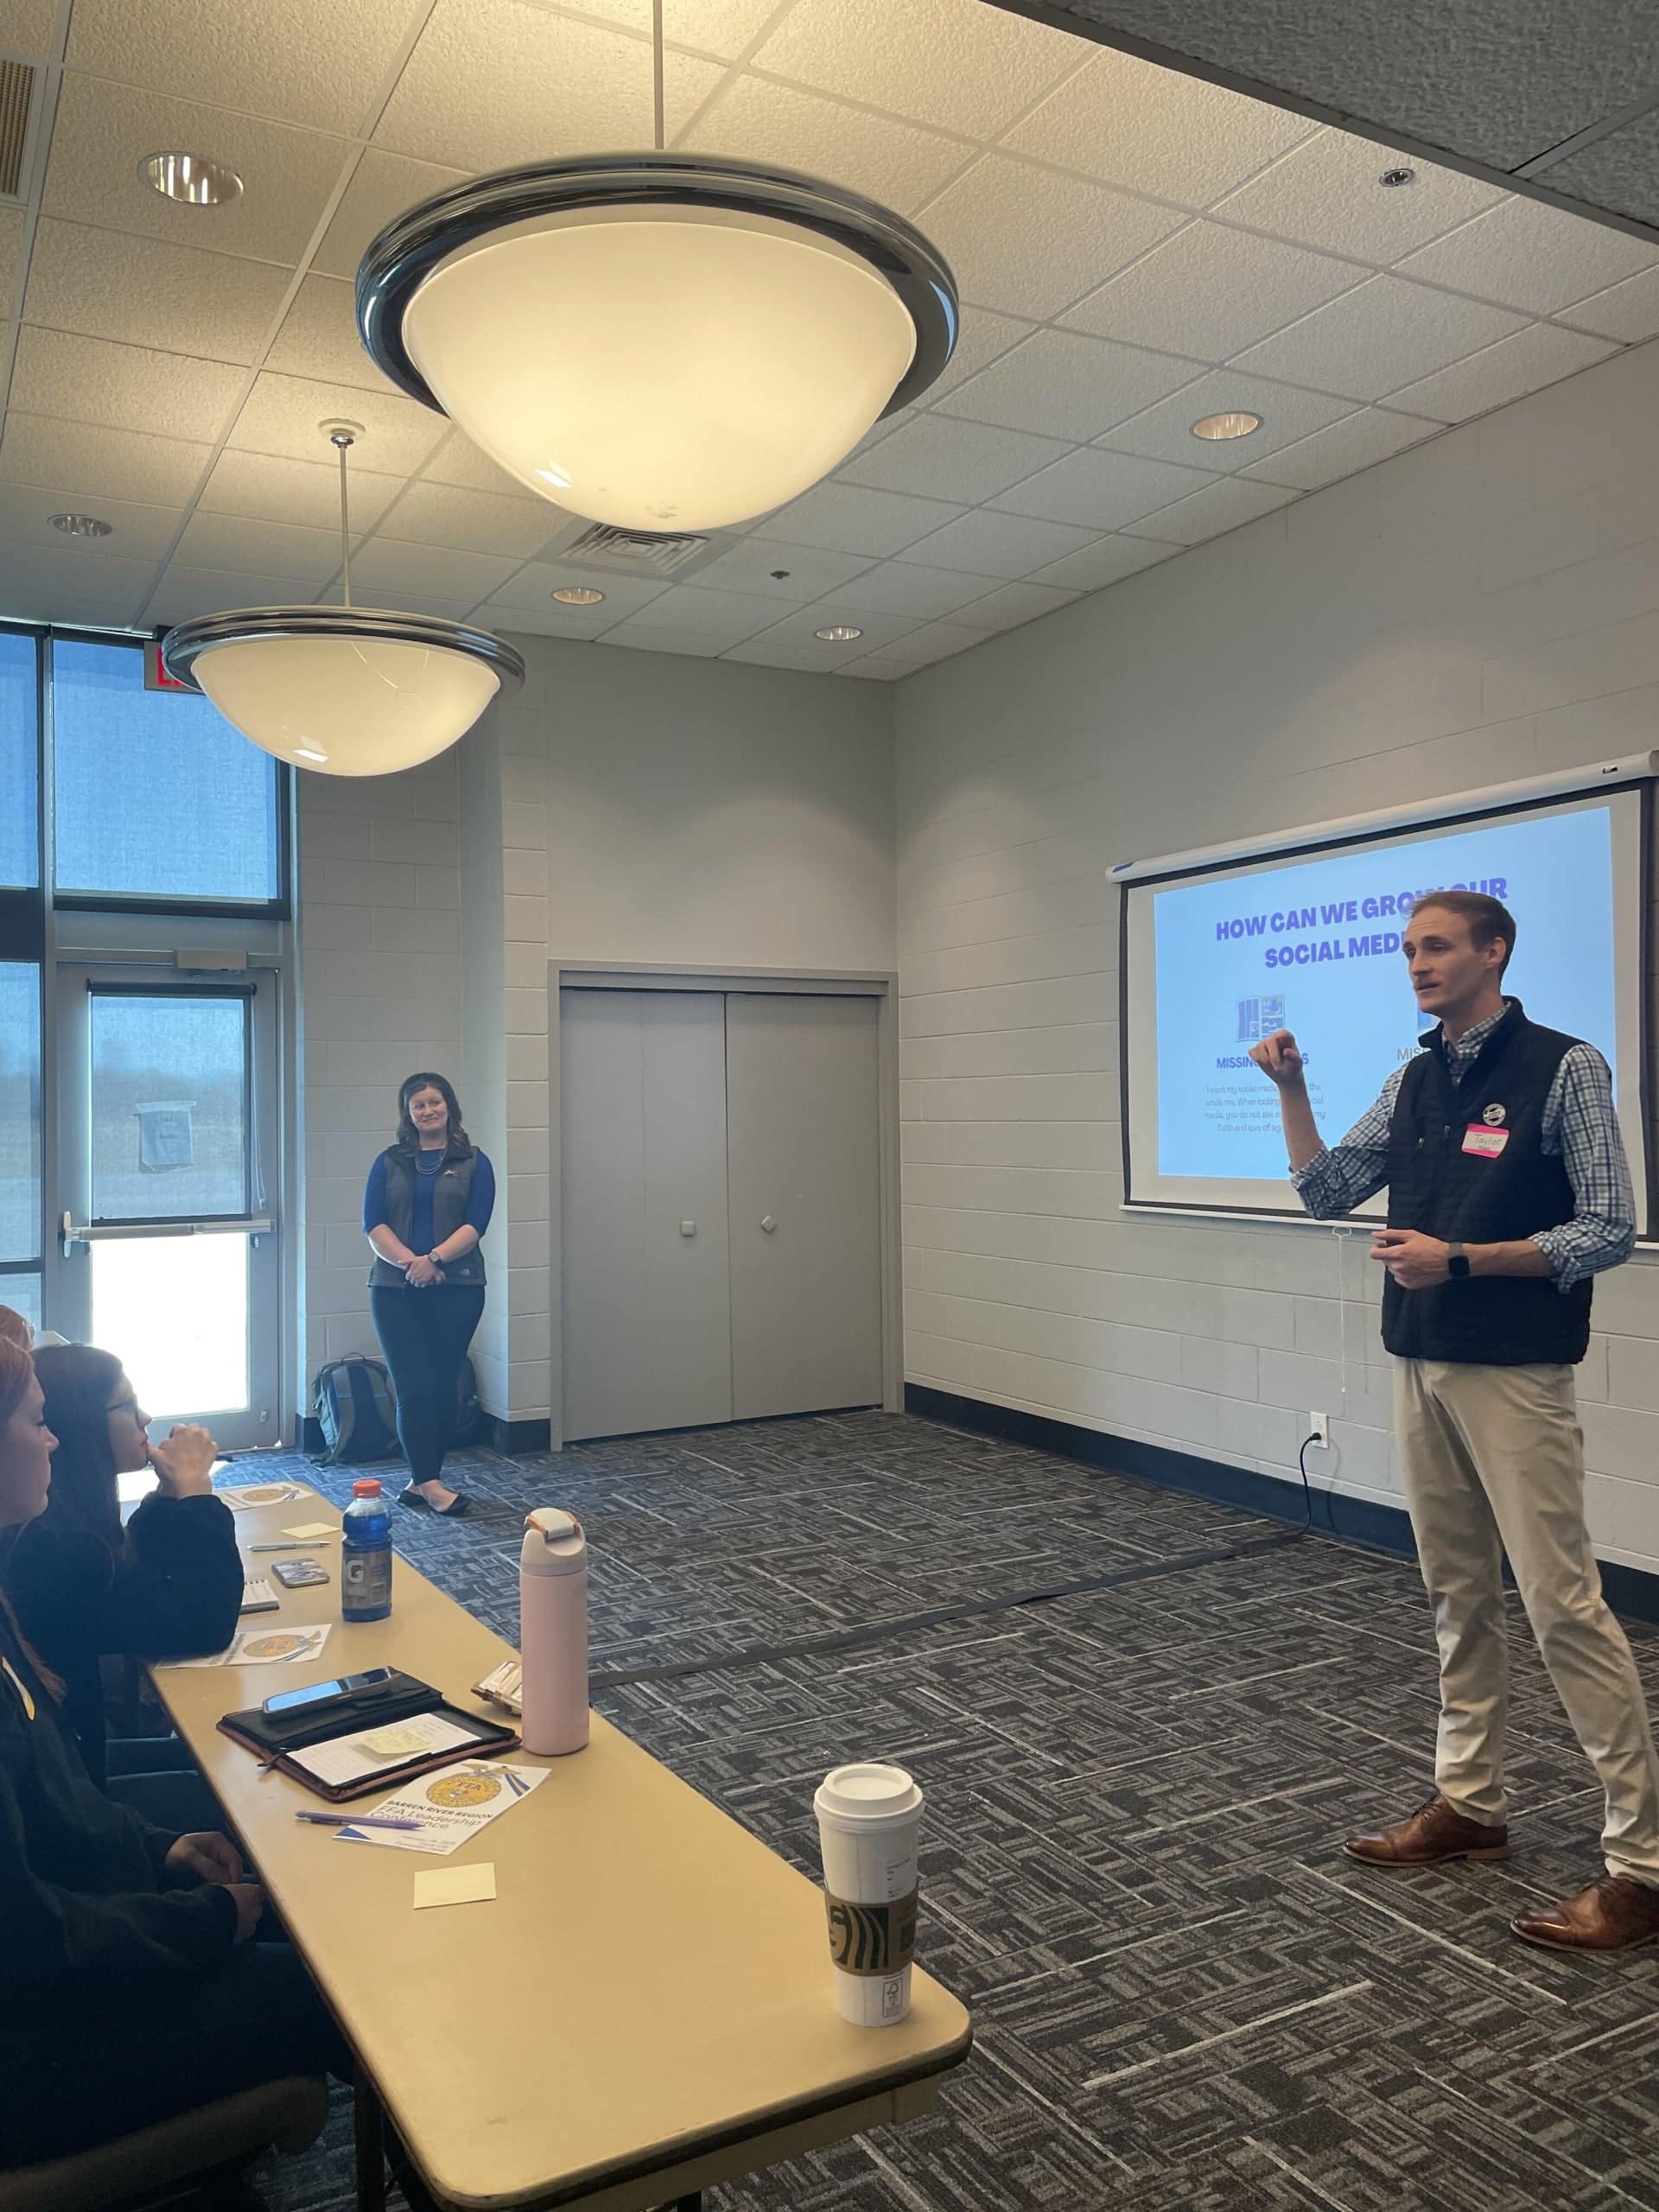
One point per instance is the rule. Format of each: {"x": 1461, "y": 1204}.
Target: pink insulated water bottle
{"x": 553, "y": 1632}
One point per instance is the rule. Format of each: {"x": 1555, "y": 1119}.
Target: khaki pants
{"x": 1492, "y": 1459}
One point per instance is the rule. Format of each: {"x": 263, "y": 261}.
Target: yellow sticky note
{"x": 455, "y": 1886}
{"x": 312, "y": 1528}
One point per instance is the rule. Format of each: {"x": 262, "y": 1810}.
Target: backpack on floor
{"x": 469, "y": 1413}
{"x": 355, "y": 1411}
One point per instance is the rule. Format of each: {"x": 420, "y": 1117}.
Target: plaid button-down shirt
{"x": 1579, "y": 1129}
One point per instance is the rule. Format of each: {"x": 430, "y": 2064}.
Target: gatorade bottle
{"x": 366, "y": 1556}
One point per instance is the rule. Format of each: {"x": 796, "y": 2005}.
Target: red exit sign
{"x": 156, "y": 678}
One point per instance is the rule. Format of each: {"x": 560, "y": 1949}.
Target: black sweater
{"x": 174, "y": 1592}
{"x": 86, "y": 1908}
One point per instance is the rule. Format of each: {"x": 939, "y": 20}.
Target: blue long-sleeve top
{"x": 481, "y": 1205}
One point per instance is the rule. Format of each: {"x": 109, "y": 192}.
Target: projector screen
{"x": 1216, "y": 956}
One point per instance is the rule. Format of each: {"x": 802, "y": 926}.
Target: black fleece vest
{"x": 451, "y": 1193}
{"x": 1482, "y": 1197}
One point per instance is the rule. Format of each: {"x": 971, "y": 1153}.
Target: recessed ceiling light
{"x": 1398, "y": 176}
{"x": 191, "y": 179}
{"x": 82, "y": 525}
{"x": 841, "y": 634}
{"x": 1237, "y": 424}
{"x": 576, "y": 595}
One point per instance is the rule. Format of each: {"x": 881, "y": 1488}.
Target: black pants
{"x": 126, "y": 2061}
{"x": 424, "y": 1335}
{"x": 158, "y": 1777}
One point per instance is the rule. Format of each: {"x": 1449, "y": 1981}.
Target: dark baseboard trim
{"x": 510, "y": 1437}
{"x": 1630, "y": 1592}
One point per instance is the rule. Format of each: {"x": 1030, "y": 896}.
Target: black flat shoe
{"x": 459, "y": 1507}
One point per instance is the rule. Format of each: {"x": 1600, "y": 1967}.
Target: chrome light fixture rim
{"x": 185, "y": 642}
{"x": 400, "y": 260}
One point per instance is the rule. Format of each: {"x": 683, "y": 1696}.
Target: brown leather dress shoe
{"x": 1616, "y": 1913}
{"x": 1431, "y": 1836}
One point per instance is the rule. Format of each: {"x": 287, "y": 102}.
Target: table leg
{"x": 369, "y": 2135}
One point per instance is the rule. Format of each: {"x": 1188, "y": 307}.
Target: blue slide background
{"x": 1355, "y": 1017}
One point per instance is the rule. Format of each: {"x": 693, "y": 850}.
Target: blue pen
{"x": 352, "y": 1821}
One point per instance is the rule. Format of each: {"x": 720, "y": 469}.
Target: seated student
{"x": 170, "y": 1585}
{"x": 132, "y": 1986}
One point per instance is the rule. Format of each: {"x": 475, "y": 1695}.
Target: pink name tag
{"x": 1485, "y": 1143}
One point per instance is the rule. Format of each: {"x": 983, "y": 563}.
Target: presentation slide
{"x": 1218, "y": 960}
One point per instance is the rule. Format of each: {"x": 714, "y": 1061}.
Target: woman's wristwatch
{"x": 1456, "y": 1262}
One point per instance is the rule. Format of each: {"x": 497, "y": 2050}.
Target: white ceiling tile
{"x": 642, "y": 638}
{"x": 184, "y": 591}
{"x": 1326, "y": 193}
{"x": 119, "y": 464}
{"x": 281, "y": 416}
{"x": 51, "y": 586}
{"x": 1128, "y": 122}
{"x": 883, "y": 427}
{"x": 730, "y": 615}
{"x": 1211, "y": 290}
{"x": 936, "y": 641}
{"x": 30, "y": 25}
{"x": 907, "y": 588}
{"x": 1101, "y": 490}
{"x": 244, "y": 546}
{"x": 1532, "y": 359}
{"x": 492, "y": 83}
{"x": 1219, "y": 507}
{"x": 319, "y": 338}
{"x": 981, "y": 339}
{"x": 1164, "y": 432}
{"x": 11, "y": 247}
{"x": 769, "y": 649}
{"x": 474, "y": 522}
{"x": 1107, "y": 561}
{"x": 807, "y": 571}
{"x": 1351, "y": 444}
{"x": 997, "y": 545}
{"x": 123, "y": 387}
{"x": 897, "y": 163}
{"x": 1629, "y": 311}
{"x": 383, "y": 185}
{"x": 880, "y": 668}
{"x": 148, "y": 292}
{"x": 1068, "y": 386}
{"x": 848, "y": 519}
{"x": 1015, "y": 604}
{"x": 799, "y": 629}
{"x": 311, "y": 61}
{"x": 305, "y": 493}
{"x": 531, "y": 588}
{"x": 457, "y": 460}
{"x": 938, "y": 458}
{"x": 140, "y": 533}
{"x": 1029, "y": 241}
{"x": 724, "y": 28}
{"x": 547, "y": 620}
{"x": 1373, "y": 340}
{"x": 954, "y": 63}
{"x": 104, "y": 130}
{"x": 411, "y": 602}
{"x": 384, "y": 565}
{"x": 1523, "y": 254}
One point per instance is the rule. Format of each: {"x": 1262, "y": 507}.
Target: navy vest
{"x": 1475, "y": 1198}
{"x": 452, "y": 1192}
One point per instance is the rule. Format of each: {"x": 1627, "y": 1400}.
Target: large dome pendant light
{"x": 665, "y": 342}
{"x": 343, "y": 691}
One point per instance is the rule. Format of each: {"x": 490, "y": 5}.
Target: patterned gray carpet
{"x": 1183, "y": 1995}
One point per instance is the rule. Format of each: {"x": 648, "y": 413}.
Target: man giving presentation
{"x": 1507, "y": 1191}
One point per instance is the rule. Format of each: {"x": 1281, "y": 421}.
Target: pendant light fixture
{"x": 664, "y": 343}
{"x": 345, "y": 690}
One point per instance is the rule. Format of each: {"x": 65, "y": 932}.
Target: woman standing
{"x": 427, "y": 1204}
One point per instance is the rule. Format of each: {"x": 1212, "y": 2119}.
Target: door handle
{"x": 767, "y": 1223}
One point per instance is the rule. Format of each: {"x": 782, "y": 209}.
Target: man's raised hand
{"x": 1279, "y": 1059}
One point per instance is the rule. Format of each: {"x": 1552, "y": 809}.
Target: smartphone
{"x": 299, "y": 1574}
{"x": 313, "y": 1692}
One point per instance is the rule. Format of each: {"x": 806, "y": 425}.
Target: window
{"x": 20, "y": 1115}
{"x": 169, "y": 1105}
{"x": 155, "y": 797}
{"x": 20, "y": 844}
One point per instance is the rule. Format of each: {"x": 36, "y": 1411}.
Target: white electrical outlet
{"x": 1319, "y": 1427}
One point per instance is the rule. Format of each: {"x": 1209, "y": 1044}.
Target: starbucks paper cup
{"x": 869, "y": 1823}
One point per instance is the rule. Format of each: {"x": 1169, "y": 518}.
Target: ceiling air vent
{"x": 16, "y": 85}
{"x": 635, "y": 552}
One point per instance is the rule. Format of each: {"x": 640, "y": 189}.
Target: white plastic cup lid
{"x": 869, "y": 1794}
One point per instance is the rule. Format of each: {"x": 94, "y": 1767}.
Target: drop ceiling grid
{"x": 994, "y": 519}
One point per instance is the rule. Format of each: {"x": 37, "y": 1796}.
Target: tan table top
{"x": 651, "y": 1983}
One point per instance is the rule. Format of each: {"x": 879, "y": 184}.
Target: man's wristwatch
{"x": 1457, "y": 1262}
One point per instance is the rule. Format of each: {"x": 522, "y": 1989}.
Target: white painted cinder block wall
{"x": 1477, "y": 610}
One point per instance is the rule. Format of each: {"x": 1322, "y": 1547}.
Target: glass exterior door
{"x": 168, "y": 1174}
